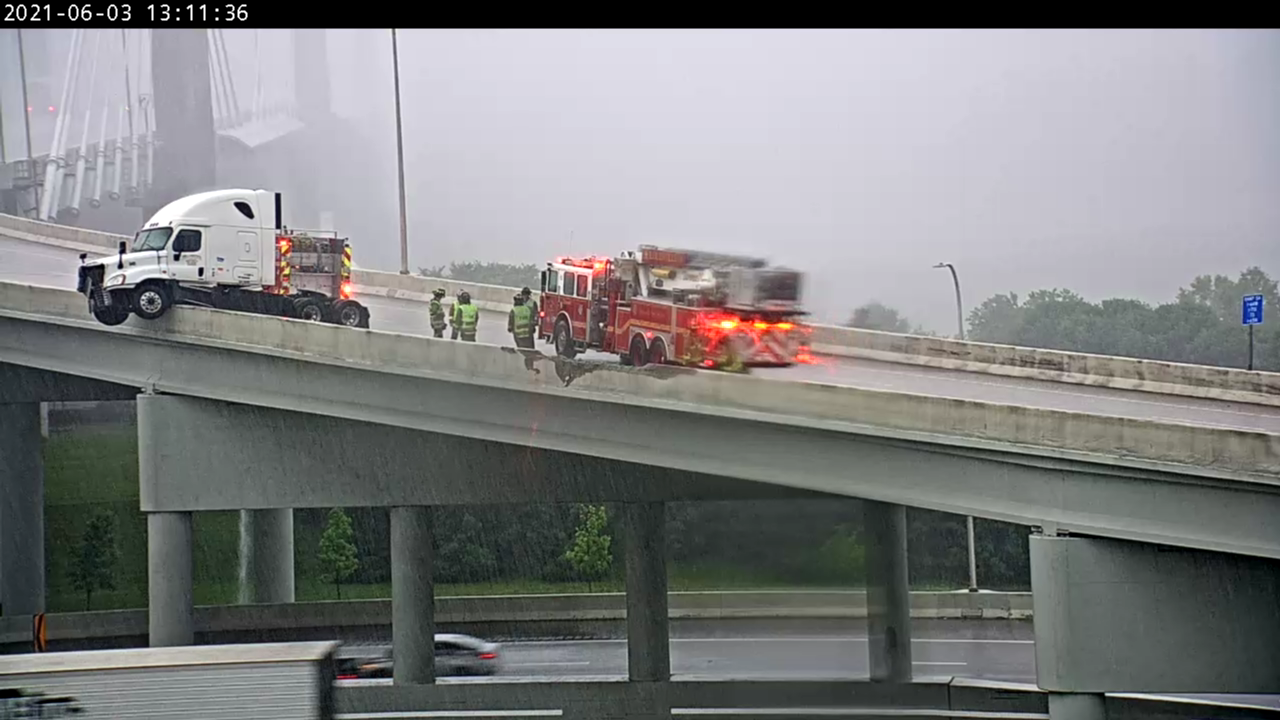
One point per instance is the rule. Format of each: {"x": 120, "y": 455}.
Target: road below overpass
{"x": 792, "y": 650}
{"x": 48, "y": 265}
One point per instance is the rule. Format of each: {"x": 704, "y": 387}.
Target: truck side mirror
{"x": 122, "y": 247}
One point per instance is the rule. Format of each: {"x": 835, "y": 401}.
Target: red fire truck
{"x": 666, "y": 305}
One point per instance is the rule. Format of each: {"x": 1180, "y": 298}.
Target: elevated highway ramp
{"x": 28, "y": 262}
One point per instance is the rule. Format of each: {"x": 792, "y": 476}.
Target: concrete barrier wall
{"x": 686, "y": 390}
{"x": 1153, "y": 376}
{"x": 576, "y": 614}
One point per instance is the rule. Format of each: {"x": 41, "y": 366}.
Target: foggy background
{"x": 1112, "y": 162}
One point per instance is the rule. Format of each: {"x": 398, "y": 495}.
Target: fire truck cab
{"x": 664, "y": 305}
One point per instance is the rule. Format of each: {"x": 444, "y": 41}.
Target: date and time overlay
{"x": 137, "y": 14}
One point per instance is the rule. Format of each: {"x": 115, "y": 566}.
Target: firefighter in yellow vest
{"x": 520, "y": 323}
{"x": 530, "y": 303}
{"x": 436, "y": 312}
{"x": 466, "y": 317}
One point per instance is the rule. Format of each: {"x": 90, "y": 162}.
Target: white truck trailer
{"x": 267, "y": 681}
{"x": 224, "y": 249}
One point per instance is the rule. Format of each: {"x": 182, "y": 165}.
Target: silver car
{"x": 456, "y": 654}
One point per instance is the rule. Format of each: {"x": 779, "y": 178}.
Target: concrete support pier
{"x": 170, "y": 605}
{"x": 266, "y": 556}
{"x": 645, "y": 548}
{"x": 413, "y": 603}
{"x": 888, "y": 592}
{"x": 1121, "y": 616}
{"x": 22, "y": 590}
{"x": 1077, "y": 706}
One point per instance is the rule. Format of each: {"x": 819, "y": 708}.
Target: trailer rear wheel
{"x": 151, "y": 300}
{"x": 351, "y": 314}
{"x": 563, "y": 340}
{"x": 309, "y": 309}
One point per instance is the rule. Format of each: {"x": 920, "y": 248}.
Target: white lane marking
{"x": 859, "y": 712}
{"x": 952, "y": 664}
{"x": 407, "y": 715}
{"x": 548, "y": 664}
{"x": 776, "y": 638}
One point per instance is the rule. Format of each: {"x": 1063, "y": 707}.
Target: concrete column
{"x": 413, "y": 602}
{"x": 186, "y": 149}
{"x": 266, "y": 556}
{"x": 169, "y": 579}
{"x": 888, "y": 592}
{"x": 645, "y": 549}
{"x": 1077, "y": 706}
{"x": 21, "y": 510}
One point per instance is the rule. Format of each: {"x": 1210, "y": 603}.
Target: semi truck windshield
{"x": 153, "y": 239}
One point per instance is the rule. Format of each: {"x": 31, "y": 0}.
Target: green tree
{"x": 878, "y": 316}
{"x": 488, "y": 273}
{"x": 94, "y": 565}
{"x": 338, "y": 550}
{"x": 1202, "y": 326}
{"x": 590, "y": 552}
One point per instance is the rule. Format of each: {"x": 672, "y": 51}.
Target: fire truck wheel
{"x": 564, "y": 340}
{"x": 658, "y": 352}
{"x": 151, "y": 300}
{"x": 639, "y": 353}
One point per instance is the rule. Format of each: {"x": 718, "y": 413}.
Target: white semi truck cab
{"x": 225, "y": 249}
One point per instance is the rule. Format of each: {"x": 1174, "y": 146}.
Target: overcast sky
{"x": 1112, "y": 162}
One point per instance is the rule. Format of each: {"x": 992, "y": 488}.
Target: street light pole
{"x": 404, "y": 223}
{"x": 973, "y": 554}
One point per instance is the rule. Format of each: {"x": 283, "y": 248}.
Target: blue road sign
{"x": 1251, "y": 310}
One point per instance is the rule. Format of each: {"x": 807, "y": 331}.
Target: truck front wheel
{"x": 110, "y": 315}
{"x": 151, "y": 300}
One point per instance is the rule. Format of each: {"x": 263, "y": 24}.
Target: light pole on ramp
{"x": 973, "y": 555}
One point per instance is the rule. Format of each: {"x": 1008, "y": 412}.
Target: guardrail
{"x": 797, "y": 699}
{"x": 566, "y": 615}
{"x": 1124, "y": 373}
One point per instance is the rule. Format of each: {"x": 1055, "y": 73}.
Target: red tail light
{"x": 348, "y": 677}
{"x": 346, "y": 291}
{"x": 488, "y": 656}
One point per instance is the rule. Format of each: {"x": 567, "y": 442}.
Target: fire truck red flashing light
{"x": 664, "y": 305}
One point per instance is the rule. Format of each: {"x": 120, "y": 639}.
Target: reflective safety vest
{"x": 466, "y": 317}
{"x": 436, "y": 311}
{"x": 521, "y": 321}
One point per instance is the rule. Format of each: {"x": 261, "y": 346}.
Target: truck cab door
{"x": 186, "y": 257}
